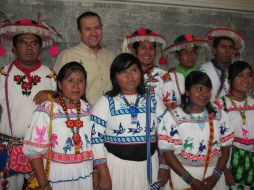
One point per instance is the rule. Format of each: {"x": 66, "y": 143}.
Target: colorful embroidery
{"x": 170, "y": 139}
{"x": 2, "y": 71}
{"x": 135, "y": 130}
{"x": 198, "y": 158}
{"x": 129, "y": 139}
{"x": 119, "y": 131}
{"x": 68, "y": 145}
{"x": 26, "y": 86}
{"x": 40, "y": 132}
{"x": 70, "y": 158}
{"x": 54, "y": 141}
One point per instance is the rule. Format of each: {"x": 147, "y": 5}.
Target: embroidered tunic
{"x": 188, "y": 136}
{"x": 214, "y": 75}
{"x": 67, "y": 169}
{"x": 179, "y": 90}
{"x": 112, "y": 126}
{"x": 161, "y": 83}
{"x": 21, "y": 90}
{"x": 244, "y": 135}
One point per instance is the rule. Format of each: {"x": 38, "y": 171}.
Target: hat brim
{"x": 202, "y": 44}
{"x": 151, "y": 38}
{"x": 10, "y": 30}
{"x": 226, "y": 32}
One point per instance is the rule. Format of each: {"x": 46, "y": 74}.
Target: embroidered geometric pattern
{"x": 130, "y": 139}
{"x": 170, "y": 139}
{"x": 198, "y": 158}
{"x": 115, "y": 112}
{"x": 99, "y": 161}
{"x": 97, "y": 140}
{"x": 99, "y": 121}
{"x": 36, "y": 144}
{"x": 70, "y": 158}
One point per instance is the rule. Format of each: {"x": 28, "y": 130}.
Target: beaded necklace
{"x": 73, "y": 124}
{"x": 242, "y": 110}
{"x": 132, "y": 108}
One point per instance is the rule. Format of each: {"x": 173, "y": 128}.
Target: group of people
{"x": 100, "y": 121}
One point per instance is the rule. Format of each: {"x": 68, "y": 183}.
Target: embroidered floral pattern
{"x": 18, "y": 161}
{"x": 26, "y": 86}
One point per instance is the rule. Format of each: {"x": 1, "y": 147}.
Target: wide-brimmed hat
{"x": 187, "y": 40}
{"x": 237, "y": 37}
{"x": 142, "y": 34}
{"x": 47, "y": 33}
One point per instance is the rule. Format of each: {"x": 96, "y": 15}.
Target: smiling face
{"x": 91, "y": 32}
{"x": 27, "y": 49}
{"x": 242, "y": 83}
{"x": 145, "y": 53}
{"x": 129, "y": 79}
{"x": 199, "y": 96}
{"x": 73, "y": 86}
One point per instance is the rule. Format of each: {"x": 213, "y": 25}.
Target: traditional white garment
{"x": 188, "y": 136}
{"x": 21, "y": 100}
{"x": 244, "y": 134}
{"x": 179, "y": 82}
{"x": 20, "y": 97}
{"x": 67, "y": 169}
{"x": 214, "y": 75}
{"x": 162, "y": 84}
{"x": 112, "y": 125}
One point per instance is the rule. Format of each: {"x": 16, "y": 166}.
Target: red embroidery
{"x": 26, "y": 86}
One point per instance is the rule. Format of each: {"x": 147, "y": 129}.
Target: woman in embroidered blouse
{"x": 195, "y": 162}
{"x": 240, "y": 107}
{"x": 71, "y": 155}
{"x": 119, "y": 129}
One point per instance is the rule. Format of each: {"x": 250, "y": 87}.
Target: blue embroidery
{"x": 68, "y": 145}
{"x": 87, "y": 140}
{"x": 161, "y": 116}
{"x": 120, "y": 131}
{"x": 223, "y": 128}
{"x": 135, "y": 130}
{"x": 202, "y": 147}
{"x": 96, "y": 140}
{"x": 93, "y": 130}
{"x": 99, "y": 121}
{"x": 129, "y": 139}
{"x": 99, "y": 161}
{"x": 69, "y": 180}
{"x": 173, "y": 131}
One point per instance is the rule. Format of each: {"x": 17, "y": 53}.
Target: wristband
{"x": 41, "y": 187}
{"x": 217, "y": 173}
{"x": 187, "y": 177}
{"x": 164, "y": 166}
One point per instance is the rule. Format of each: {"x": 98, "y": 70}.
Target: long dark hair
{"x": 66, "y": 71}
{"x": 196, "y": 77}
{"x": 122, "y": 62}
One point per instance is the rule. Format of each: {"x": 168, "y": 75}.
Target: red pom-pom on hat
{"x": 2, "y": 51}
{"x": 163, "y": 60}
{"x": 53, "y": 51}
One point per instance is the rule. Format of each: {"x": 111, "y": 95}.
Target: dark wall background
{"x": 119, "y": 18}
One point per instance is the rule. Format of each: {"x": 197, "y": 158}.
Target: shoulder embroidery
{"x": 2, "y": 71}
{"x": 166, "y": 77}
{"x": 52, "y": 75}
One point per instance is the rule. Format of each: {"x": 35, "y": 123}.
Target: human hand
{"x": 42, "y": 96}
{"x": 210, "y": 182}
{"x": 198, "y": 185}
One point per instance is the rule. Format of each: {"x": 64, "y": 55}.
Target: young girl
{"x": 197, "y": 139}
{"x": 240, "y": 107}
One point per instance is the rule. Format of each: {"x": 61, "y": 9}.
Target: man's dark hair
{"x": 15, "y": 39}
{"x": 218, "y": 39}
{"x": 87, "y": 14}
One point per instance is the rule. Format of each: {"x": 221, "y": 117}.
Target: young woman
{"x": 146, "y": 44}
{"x": 70, "y": 153}
{"x": 119, "y": 130}
{"x": 240, "y": 107}
{"x": 197, "y": 139}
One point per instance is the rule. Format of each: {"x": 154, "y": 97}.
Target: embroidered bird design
{"x": 68, "y": 145}
{"x": 120, "y": 130}
{"x": 40, "y": 132}
{"x": 87, "y": 140}
{"x": 201, "y": 147}
{"x": 135, "y": 130}
{"x": 188, "y": 143}
{"x": 173, "y": 130}
{"x": 223, "y": 128}
{"x": 245, "y": 132}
